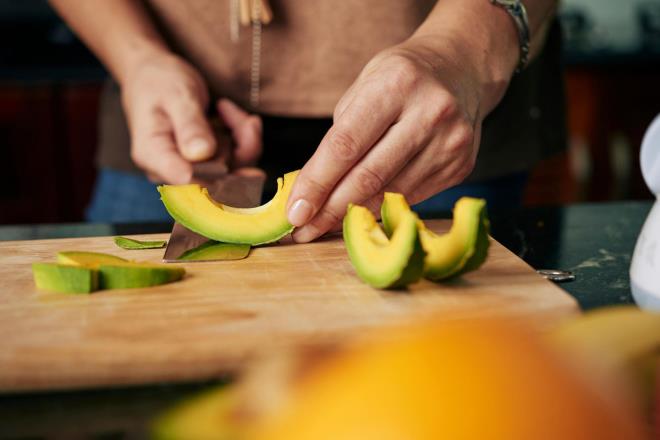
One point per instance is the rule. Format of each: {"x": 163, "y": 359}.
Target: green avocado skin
{"x": 481, "y": 246}
{"x": 409, "y": 270}
{"x": 65, "y": 278}
{"x": 414, "y": 269}
{"x": 128, "y": 277}
{"x": 223, "y": 235}
{"x": 476, "y": 250}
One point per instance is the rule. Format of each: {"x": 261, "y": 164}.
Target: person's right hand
{"x": 165, "y": 101}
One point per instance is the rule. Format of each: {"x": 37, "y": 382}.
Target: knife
{"x": 241, "y": 191}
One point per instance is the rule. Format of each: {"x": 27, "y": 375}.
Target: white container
{"x": 645, "y": 265}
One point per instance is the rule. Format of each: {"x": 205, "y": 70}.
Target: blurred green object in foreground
{"x": 205, "y": 416}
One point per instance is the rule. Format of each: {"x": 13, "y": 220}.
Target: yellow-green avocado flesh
{"x": 462, "y": 249}
{"x": 380, "y": 261}
{"x": 89, "y": 259}
{"x": 132, "y": 275}
{"x": 118, "y": 273}
{"x": 191, "y": 206}
{"x": 65, "y": 278}
{"x": 109, "y": 271}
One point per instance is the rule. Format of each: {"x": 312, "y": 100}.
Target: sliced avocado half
{"x": 118, "y": 273}
{"x": 65, "y": 278}
{"x": 462, "y": 249}
{"x": 192, "y": 206}
{"x": 380, "y": 261}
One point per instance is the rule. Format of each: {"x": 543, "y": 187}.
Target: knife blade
{"x": 241, "y": 191}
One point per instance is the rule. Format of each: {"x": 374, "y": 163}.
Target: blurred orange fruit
{"x": 449, "y": 379}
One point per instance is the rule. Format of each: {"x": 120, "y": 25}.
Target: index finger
{"x": 358, "y": 128}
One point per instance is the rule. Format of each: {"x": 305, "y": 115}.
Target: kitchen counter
{"x": 595, "y": 241}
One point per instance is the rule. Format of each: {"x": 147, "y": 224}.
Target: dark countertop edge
{"x": 42, "y": 231}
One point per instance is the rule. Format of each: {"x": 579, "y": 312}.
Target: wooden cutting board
{"x": 225, "y": 312}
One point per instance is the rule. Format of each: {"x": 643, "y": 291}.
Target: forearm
{"x": 484, "y": 37}
{"x": 119, "y": 32}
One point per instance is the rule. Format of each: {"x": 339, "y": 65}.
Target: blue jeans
{"x": 501, "y": 193}
{"x": 121, "y": 197}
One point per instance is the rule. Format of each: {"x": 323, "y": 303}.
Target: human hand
{"x": 165, "y": 101}
{"x": 410, "y": 123}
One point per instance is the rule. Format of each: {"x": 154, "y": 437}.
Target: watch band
{"x": 517, "y": 11}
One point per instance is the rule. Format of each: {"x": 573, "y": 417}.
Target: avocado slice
{"x": 118, "y": 273}
{"x": 131, "y": 274}
{"x": 191, "y": 206}
{"x": 462, "y": 249}
{"x": 65, "y": 278}
{"x": 380, "y": 261}
{"x": 213, "y": 250}
{"x": 91, "y": 259}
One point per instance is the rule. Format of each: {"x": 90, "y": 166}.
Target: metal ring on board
{"x": 558, "y": 276}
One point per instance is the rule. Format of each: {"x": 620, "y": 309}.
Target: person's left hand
{"x": 410, "y": 123}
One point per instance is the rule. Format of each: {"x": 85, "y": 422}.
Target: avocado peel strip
{"x": 133, "y": 244}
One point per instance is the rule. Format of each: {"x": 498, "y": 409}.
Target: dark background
{"x": 50, "y": 84}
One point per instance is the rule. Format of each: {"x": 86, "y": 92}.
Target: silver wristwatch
{"x": 517, "y": 11}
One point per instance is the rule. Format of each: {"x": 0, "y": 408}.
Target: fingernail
{"x": 198, "y": 149}
{"x": 300, "y": 212}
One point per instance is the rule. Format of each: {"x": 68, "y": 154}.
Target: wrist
{"x": 482, "y": 40}
{"x": 137, "y": 54}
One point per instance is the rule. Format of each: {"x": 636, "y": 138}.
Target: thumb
{"x": 246, "y": 130}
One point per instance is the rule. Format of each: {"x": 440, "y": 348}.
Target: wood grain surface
{"x": 223, "y": 313}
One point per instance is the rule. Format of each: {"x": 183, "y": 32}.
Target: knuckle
{"x": 404, "y": 71}
{"x": 374, "y": 205}
{"x": 462, "y": 138}
{"x": 343, "y": 146}
{"x": 441, "y": 108}
{"x": 327, "y": 218}
{"x": 367, "y": 182}
{"x": 395, "y": 187}
{"x": 314, "y": 186}
{"x": 185, "y": 94}
{"x": 436, "y": 172}
{"x": 403, "y": 77}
